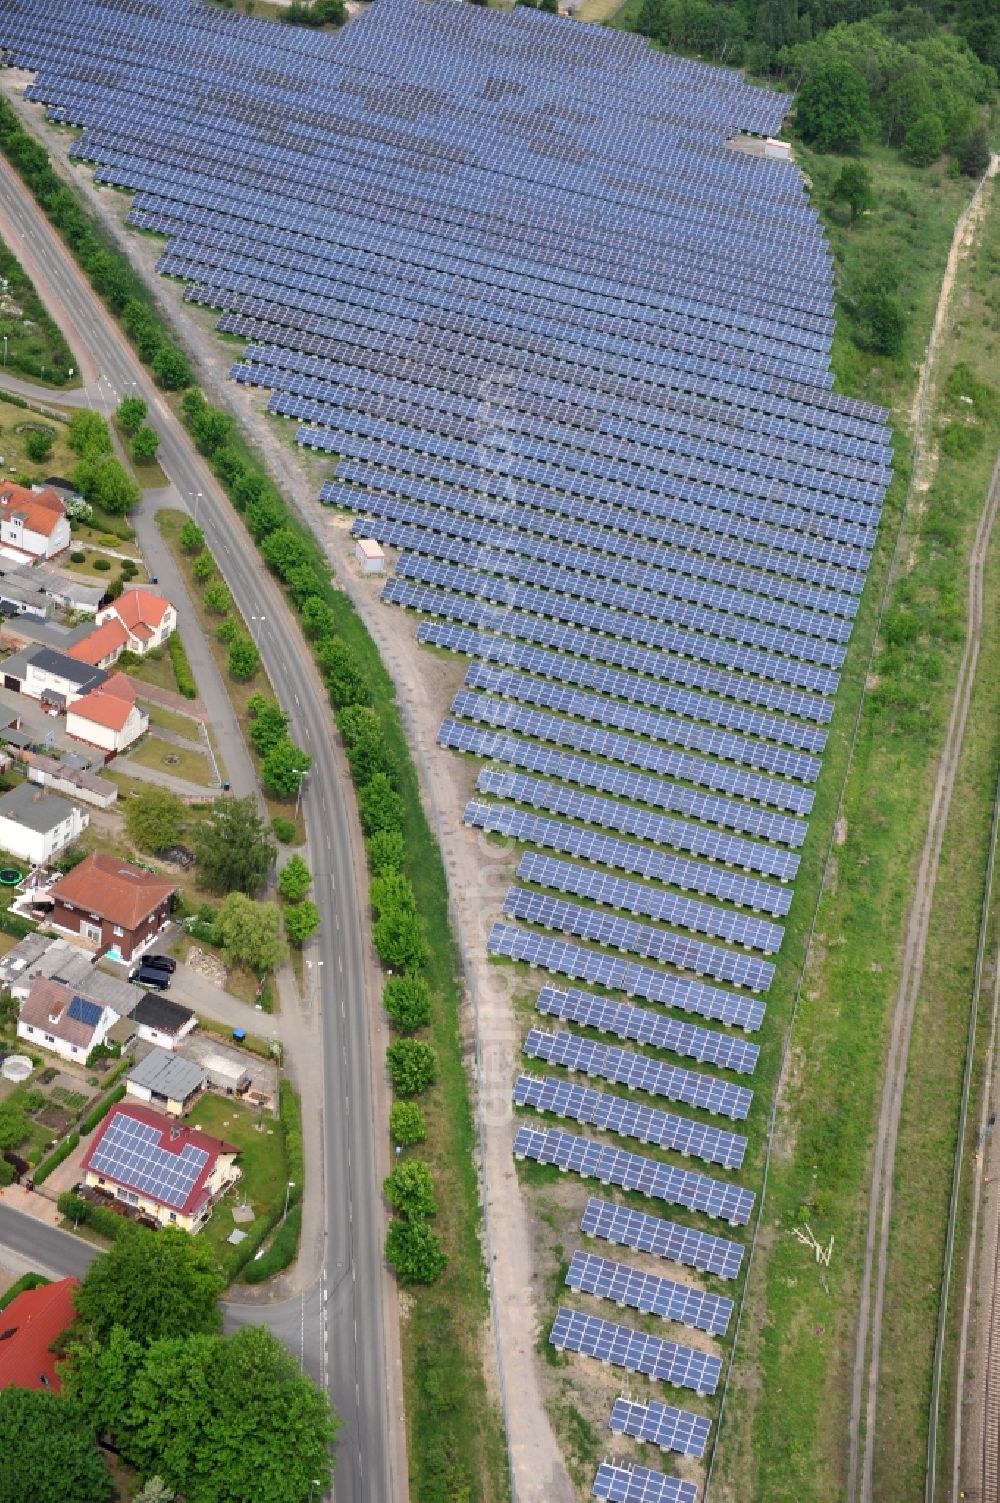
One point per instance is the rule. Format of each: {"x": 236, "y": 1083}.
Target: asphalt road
{"x": 353, "y": 1359}
{"x": 43, "y": 1248}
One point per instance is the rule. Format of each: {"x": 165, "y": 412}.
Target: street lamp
{"x": 197, "y": 498}
{"x": 256, "y": 622}
{"x": 312, "y": 1488}
{"x": 5, "y": 352}
{"x": 288, "y": 1189}
{"x": 300, "y": 773}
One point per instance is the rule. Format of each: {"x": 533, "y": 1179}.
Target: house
{"x": 50, "y": 676}
{"x": 118, "y": 907}
{"x": 28, "y": 1327}
{"x": 61, "y": 1020}
{"x": 101, "y": 647}
{"x": 47, "y": 772}
{"x": 33, "y": 523}
{"x": 35, "y": 825}
{"x": 162, "y": 1022}
{"x": 44, "y": 955}
{"x": 108, "y": 717}
{"x": 171, "y": 1173}
{"x": 167, "y": 1081}
{"x": 145, "y": 618}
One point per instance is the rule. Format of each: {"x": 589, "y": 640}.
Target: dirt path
{"x": 869, "y": 1331}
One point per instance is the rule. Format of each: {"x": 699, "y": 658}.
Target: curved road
{"x": 343, "y": 1322}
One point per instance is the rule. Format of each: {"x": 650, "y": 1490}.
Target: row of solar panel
{"x": 644, "y": 861}
{"x": 607, "y": 813}
{"x": 629, "y": 937}
{"x": 625, "y": 1227}
{"x": 639, "y": 1072}
{"x": 661, "y": 1425}
{"x": 683, "y": 1303}
{"x": 643, "y": 1026}
{"x": 665, "y": 1361}
{"x": 620, "y": 1483}
{"x": 629, "y": 1120}
{"x": 621, "y": 783}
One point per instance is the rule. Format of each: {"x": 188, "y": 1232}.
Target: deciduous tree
{"x": 152, "y": 1284}
{"x": 268, "y": 724}
{"x": 250, "y": 933}
{"x": 407, "y": 1000}
{"x": 832, "y": 109}
{"x": 145, "y": 444}
{"x": 284, "y": 767}
{"x": 154, "y": 819}
{"x": 132, "y": 413}
{"x": 302, "y": 920}
{"x": 294, "y": 879}
{"x": 244, "y": 659}
{"x": 234, "y": 847}
{"x": 409, "y": 1189}
{"x": 412, "y": 1066}
{"x": 854, "y": 187}
{"x": 406, "y": 1123}
{"x": 47, "y": 1451}
{"x": 414, "y": 1252}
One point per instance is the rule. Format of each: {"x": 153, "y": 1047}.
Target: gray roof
{"x": 168, "y": 1074}
{"x": 31, "y": 806}
{"x": 50, "y": 661}
{"x": 39, "y": 955}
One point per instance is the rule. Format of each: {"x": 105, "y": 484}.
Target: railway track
{"x": 990, "y": 1492}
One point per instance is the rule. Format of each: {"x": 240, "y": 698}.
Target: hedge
{"x": 281, "y": 1252}
{"x": 26, "y": 1281}
{"x": 54, "y": 1159}
{"x": 98, "y": 1113}
{"x": 13, "y": 923}
{"x": 181, "y": 666}
{"x": 291, "y": 1119}
{"x": 98, "y": 1218}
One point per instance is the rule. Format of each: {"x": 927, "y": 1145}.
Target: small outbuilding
{"x": 370, "y": 555}
{"x": 166, "y": 1080}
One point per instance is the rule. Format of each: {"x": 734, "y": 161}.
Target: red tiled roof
{"x": 99, "y": 643}
{"x": 105, "y": 885}
{"x": 42, "y": 509}
{"x": 28, "y": 1327}
{"x": 47, "y": 1008}
{"x": 110, "y": 704}
{"x": 174, "y": 1138}
{"x": 135, "y": 607}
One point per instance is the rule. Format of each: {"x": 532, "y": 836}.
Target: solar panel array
{"x": 571, "y": 354}
{"x": 644, "y": 1291}
{"x": 637, "y": 1484}
{"x": 666, "y": 1361}
{"x": 662, "y": 1425}
{"x": 130, "y": 1151}
{"x": 81, "y": 1010}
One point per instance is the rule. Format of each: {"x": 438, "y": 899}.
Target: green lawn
{"x": 173, "y": 720}
{"x": 155, "y": 668}
{"x": 176, "y": 761}
{"x": 36, "y": 347}
{"x": 261, "y": 1158}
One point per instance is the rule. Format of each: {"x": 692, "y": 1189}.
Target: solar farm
{"x": 575, "y": 374}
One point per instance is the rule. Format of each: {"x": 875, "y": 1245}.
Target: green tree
{"x": 344, "y": 681}
{"x": 203, "y": 567}
{"x": 284, "y": 767}
{"x": 406, "y": 1124}
{"x": 88, "y": 434}
{"x": 152, "y": 1284}
{"x": 211, "y": 429}
{"x": 407, "y": 1000}
{"x": 107, "y": 483}
{"x": 974, "y": 151}
{"x": 318, "y": 620}
{"x": 154, "y": 819}
{"x": 365, "y": 743}
{"x": 38, "y": 445}
{"x": 13, "y": 1125}
{"x": 380, "y": 805}
{"x": 47, "y": 1451}
{"x": 244, "y": 659}
{"x": 398, "y": 932}
{"x": 294, "y": 879}
{"x": 412, "y": 1066}
{"x": 883, "y": 321}
{"x": 385, "y": 852}
{"x": 203, "y": 1413}
{"x": 217, "y": 598}
{"x": 132, "y": 413}
{"x": 906, "y": 100}
{"x": 192, "y": 538}
{"x": 170, "y": 369}
{"x": 250, "y": 933}
{"x": 409, "y": 1189}
{"x": 234, "y": 848}
{"x": 833, "y": 110}
{"x": 414, "y": 1252}
{"x": 924, "y": 141}
{"x": 145, "y": 444}
{"x": 268, "y": 724}
{"x": 854, "y": 187}
{"x": 301, "y": 921}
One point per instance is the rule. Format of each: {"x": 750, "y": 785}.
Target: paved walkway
{"x": 194, "y": 791}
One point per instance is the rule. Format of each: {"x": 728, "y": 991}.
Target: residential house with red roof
{"x": 147, "y": 619}
{"x": 33, "y": 523}
{"x": 163, "y": 1169}
{"x": 28, "y": 1327}
{"x": 118, "y": 907}
{"x": 62, "y": 1020}
{"x": 108, "y": 717}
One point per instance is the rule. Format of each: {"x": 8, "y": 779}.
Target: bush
{"x": 284, "y": 829}
{"x": 412, "y": 1066}
{"x": 181, "y": 667}
{"x": 414, "y": 1252}
{"x": 26, "y": 1281}
{"x": 76, "y": 557}
{"x": 281, "y": 1252}
{"x": 100, "y": 1111}
{"x": 409, "y": 1189}
{"x": 386, "y": 852}
{"x": 54, "y": 1159}
{"x": 406, "y": 1124}
{"x": 99, "y": 1218}
{"x": 102, "y": 565}
{"x": 290, "y": 1115}
{"x": 407, "y": 1000}
{"x": 38, "y": 446}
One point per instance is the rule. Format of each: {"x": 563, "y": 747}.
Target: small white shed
{"x": 370, "y": 555}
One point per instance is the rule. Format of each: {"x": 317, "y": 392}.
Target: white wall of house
{"x": 34, "y": 1033}
{"x": 166, "y": 1040}
{"x": 105, "y": 737}
{"x": 39, "y": 846}
{"x": 37, "y": 682}
{"x": 16, "y": 535}
{"x": 141, "y": 645}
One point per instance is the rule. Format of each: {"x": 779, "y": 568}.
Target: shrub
{"x": 55, "y": 1158}
{"x": 181, "y": 667}
{"x": 26, "y": 1281}
{"x": 414, "y": 1252}
{"x": 412, "y": 1066}
{"x": 76, "y": 557}
{"x": 100, "y": 1111}
{"x": 409, "y": 1189}
{"x": 406, "y": 1124}
{"x": 102, "y": 565}
{"x": 385, "y": 852}
{"x": 284, "y": 829}
{"x": 281, "y": 1252}
{"x": 407, "y": 1000}
{"x": 75, "y": 1208}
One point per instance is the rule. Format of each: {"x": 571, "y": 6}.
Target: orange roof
{"x": 42, "y": 509}
{"x": 100, "y": 643}
{"x": 120, "y": 686}
{"x": 28, "y": 1327}
{"x": 140, "y": 607}
{"x": 109, "y": 887}
{"x": 102, "y": 709}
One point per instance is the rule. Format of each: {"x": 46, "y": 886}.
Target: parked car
{"x": 159, "y": 962}
{"x": 149, "y": 976}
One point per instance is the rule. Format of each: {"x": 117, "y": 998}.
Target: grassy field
{"x": 12, "y": 418}
{"x": 155, "y": 668}
{"x": 177, "y": 761}
{"x": 174, "y": 721}
{"x": 35, "y": 346}
{"x": 262, "y": 1159}
{"x": 786, "y": 1417}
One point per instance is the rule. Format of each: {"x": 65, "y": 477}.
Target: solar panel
{"x": 666, "y": 1298}
{"x": 613, "y": 1166}
{"x": 684, "y": 1366}
{"x": 637, "y": 1484}
{"x": 130, "y": 1151}
{"x": 661, "y": 1425}
{"x": 83, "y": 1011}
{"x": 666, "y": 1239}
{"x": 644, "y": 1026}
